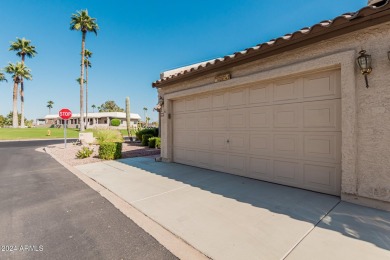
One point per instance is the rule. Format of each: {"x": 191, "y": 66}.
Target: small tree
{"x": 93, "y": 108}
{"x": 110, "y": 106}
{"x": 50, "y": 105}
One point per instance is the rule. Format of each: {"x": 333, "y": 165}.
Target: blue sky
{"x": 138, "y": 40}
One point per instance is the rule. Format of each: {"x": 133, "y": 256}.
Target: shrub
{"x": 154, "y": 142}
{"x": 115, "y": 122}
{"x": 150, "y": 131}
{"x": 110, "y": 151}
{"x": 85, "y": 152}
{"x": 109, "y": 136}
{"x": 158, "y": 142}
{"x": 145, "y": 139}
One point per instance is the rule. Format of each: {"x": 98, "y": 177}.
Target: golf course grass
{"x": 36, "y": 133}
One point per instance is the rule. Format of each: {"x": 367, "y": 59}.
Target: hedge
{"x": 150, "y": 131}
{"x": 110, "y": 151}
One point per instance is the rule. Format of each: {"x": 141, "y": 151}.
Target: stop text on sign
{"x": 65, "y": 113}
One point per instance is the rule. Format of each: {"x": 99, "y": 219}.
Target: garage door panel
{"x": 287, "y": 90}
{"x": 204, "y": 120}
{"x": 322, "y": 115}
{"x": 204, "y": 102}
{"x": 260, "y": 117}
{"x": 191, "y": 122}
{"x": 220, "y": 120}
{"x": 260, "y": 144}
{"x": 220, "y": 100}
{"x": 185, "y": 139}
{"x": 238, "y": 97}
{"x": 322, "y": 146}
{"x": 204, "y": 159}
{"x": 204, "y": 140}
{"x": 288, "y": 172}
{"x": 179, "y": 122}
{"x": 219, "y": 141}
{"x": 288, "y": 116}
{"x": 237, "y": 164}
{"x": 238, "y": 142}
{"x": 219, "y": 162}
{"x": 260, "y": 168}
{"x": 238, "y": 118}
{"x": 322, "y": 177}
{"x": 288, "y": 145}
{"x": 259, "y": 95}
{"x": 324, "y": 85}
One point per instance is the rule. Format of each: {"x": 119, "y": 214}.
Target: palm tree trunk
{"x": 22, "y": 99}
{"x": 15, "y": 123}
{"x": 86, "y": 96}
{"x": 22, "y": 104}
{"x": 82, "y": 126}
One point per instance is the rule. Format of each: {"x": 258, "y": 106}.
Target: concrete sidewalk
{"x": 231, "y": 217}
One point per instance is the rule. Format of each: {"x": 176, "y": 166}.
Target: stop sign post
{"x": 65, "y": 114}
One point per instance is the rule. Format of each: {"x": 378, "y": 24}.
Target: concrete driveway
{"x": 231, "y": 217}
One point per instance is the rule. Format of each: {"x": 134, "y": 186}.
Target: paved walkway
{"x": 231, "y": 217}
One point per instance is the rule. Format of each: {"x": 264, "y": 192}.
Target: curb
{"x": 170, "y": 241}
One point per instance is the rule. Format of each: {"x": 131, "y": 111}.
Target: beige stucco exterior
{"x": 365, "y": 112}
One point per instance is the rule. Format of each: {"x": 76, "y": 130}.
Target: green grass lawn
{"x": 36, "y": 133}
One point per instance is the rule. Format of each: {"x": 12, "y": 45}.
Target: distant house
{"x": 95, "y": 120}
{"x": 295, "y": 110}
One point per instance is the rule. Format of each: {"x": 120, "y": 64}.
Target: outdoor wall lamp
{"x": 364, "y": 62}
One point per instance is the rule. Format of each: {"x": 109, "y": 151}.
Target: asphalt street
{"x": 48, "y": 213}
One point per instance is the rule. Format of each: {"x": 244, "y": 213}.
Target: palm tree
{"x": 19, "y": 71}
{"x": 87, "y": 54}
{"x": 81, "y": 21}
{"x": 50, "y": 105}
{"x": 147, "y": 121}
{"x": 145, "y": 109}
{"x": 93, "y": 108}
{"x": 23, "y": 48}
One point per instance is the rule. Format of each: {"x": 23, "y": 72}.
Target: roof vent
{"x": 376, "y": 3}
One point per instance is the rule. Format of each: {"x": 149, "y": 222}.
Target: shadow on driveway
{"x": 350, "y": 220}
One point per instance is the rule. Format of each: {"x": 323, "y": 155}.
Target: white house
{"x": 296, "y": 110}
{"x": 95, "y": 120}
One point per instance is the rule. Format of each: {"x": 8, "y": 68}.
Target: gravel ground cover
{"x": 68, "y": 154}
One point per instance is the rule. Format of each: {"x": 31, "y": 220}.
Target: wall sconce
{"x": 364, "y": 62}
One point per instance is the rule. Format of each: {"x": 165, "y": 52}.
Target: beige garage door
{"x": 286, "y": 132}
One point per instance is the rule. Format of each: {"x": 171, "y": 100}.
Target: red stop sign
{"x": 65, "y": 113}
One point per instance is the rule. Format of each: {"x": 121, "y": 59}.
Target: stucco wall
{"x": 365, "y": 112}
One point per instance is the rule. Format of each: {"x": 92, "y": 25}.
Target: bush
{"x": 85, "y": 152}
{"x": 154, "y": 142}
{"x": 109, "y": 136}
{"x": 115, "y": 122}
{"x": 110, "y": 151}
{"x": 158, "y": 142}
{"x": 145, "y": 139}
{"x": 150, "y": 131}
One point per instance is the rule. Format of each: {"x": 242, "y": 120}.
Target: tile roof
{"x": 307, "y": 33}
